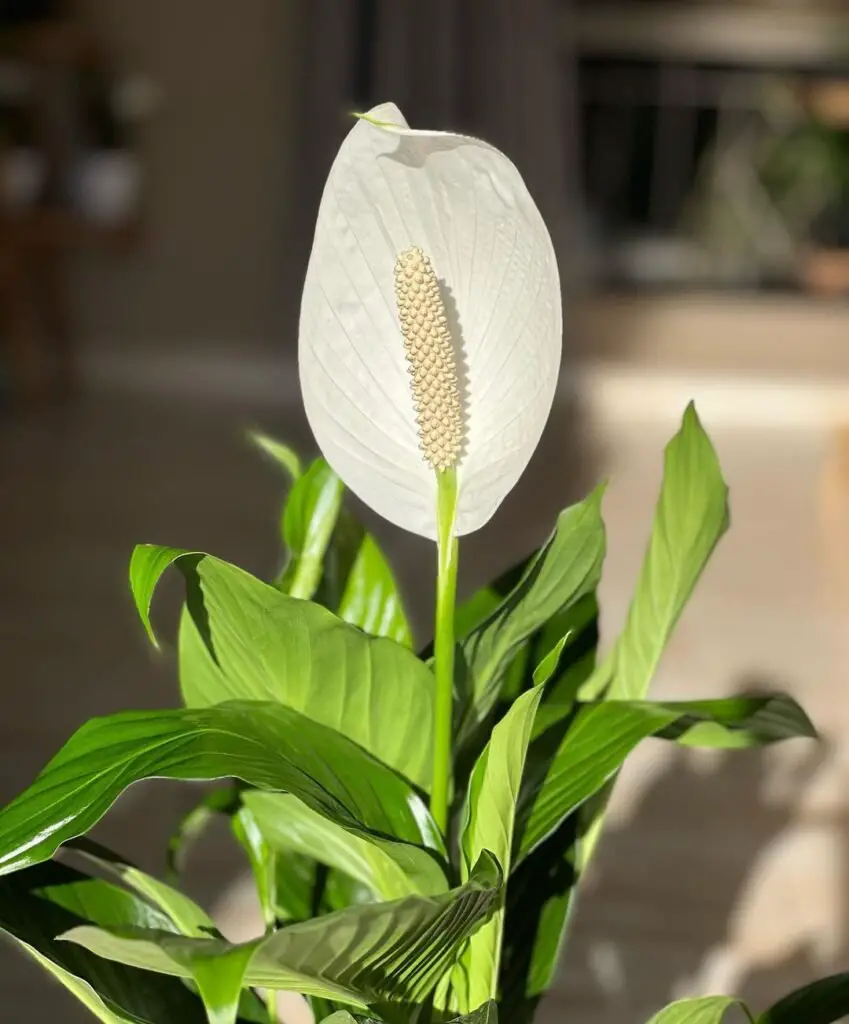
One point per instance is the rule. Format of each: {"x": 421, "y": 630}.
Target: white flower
{"x": 392, "y": 391}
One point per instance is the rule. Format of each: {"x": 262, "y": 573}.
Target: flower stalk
{"x": 443, "y": 647}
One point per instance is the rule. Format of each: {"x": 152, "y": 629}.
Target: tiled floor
{"x": 715, "y": 873}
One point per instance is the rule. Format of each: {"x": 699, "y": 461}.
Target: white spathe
{"x": 465, "y": 204}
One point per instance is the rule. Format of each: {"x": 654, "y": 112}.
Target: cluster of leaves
{"x": 305, "y": 699}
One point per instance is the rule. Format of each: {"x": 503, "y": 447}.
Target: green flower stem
{"x": 443, "y": 647}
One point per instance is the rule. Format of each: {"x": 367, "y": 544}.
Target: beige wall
{"x": 209, "y": 271}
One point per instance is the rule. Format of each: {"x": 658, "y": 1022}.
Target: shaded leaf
{"x": 295, "y": 887}
{"x": 266, "y": 745}
{"x": 691, "y": 516}
{"x": 822, "y": 1002}
{"x": 389, "y": 873}
{"x": 361, "y": 955}
{"x": 187, "y": 916}
{"x": 243, "y": 639}
{"x": 566, "y": 568}
{"x": 40, "y": 903}
{"x": 371, "y": 599}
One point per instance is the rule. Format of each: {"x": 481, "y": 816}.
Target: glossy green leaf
{"x": 566, "y": 568}
{"x": 691, "y": 516}
{"x": 242, "y": 639}
{"x": 389, "y": 873}
{"x": 266, "y": 745}
{"x": 822, "y": 1002}
{"x": 361, "y": 955}
{"x": 40, "y": 903}
{"x": 564, "y": 772}
{"x": 371, "y": 599}
{"x": 262, "y": 859}
{"x": 282, "y": 454}
{"x": 309, "y": 519}
{"x": 705, "y": 1010}
{"x": 187, "y": 916}
{"x": 489, "y": 818}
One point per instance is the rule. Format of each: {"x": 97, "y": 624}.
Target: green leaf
{"x": 471, "y": 613}
{"x": 309, "y": 519}
{"x": 282, "y": 454}
{"x": 187, "y": 916}
{"x": 361, "y": 955}
{"x": 705, "y": 1010}
{"x": 487, "y": 1014}
{"x": 371, "y": 599}
{"x": 290, "y": 826}
{"x": 691, "y": 516}
{"x": 562, "y": 773}
{"x": 266, "y": 745}
{"x": 243, "y": 639}
{"x": 823, "y": 1002}
{"x": 295, "y": 887}
{"x": 40, "y": 903}
{"x": 566, "y": 568}
{"x": 219, "y": 976}
{"x": 262, "y": 859}
{"x": 540, "y": 899}
{"x": 489, "y": 818}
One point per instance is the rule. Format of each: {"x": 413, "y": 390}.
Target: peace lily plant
{"x": 417, "y": 825}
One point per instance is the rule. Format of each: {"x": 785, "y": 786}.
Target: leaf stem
{"x": 443, "y": 646}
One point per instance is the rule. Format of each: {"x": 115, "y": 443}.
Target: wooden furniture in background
{"x": 36, "y": 318}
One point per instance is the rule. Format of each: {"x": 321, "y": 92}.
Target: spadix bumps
{"x": 430, "y": 353}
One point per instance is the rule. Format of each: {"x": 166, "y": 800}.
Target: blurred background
{"x": 160, "y": 170}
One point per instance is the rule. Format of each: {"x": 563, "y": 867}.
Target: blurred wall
{"x": 209, "y": 272}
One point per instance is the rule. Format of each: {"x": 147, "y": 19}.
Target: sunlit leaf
{"x": 489, "y": 817}
{"x": 691, "y": 516}
{"x": 378, "y": 951}
{"x": 371, "y": 599}
{"x": 705, "y": 1010}
{"x": 266, "y": 745}
{"x": 242, "y": 639}
{"x": 262, "y": 859}
{"x": 282, "y": 454}
{"x": 389, "y": 873}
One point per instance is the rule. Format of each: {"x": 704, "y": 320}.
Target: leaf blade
{"x": 242, "y": 639}
{"x": 566, "y": 568}
{"x": 489, "y": 821}
{"x": 690, "y": 518}
{"x": 396, "y": 950}
{"x": 267, "y": 745}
